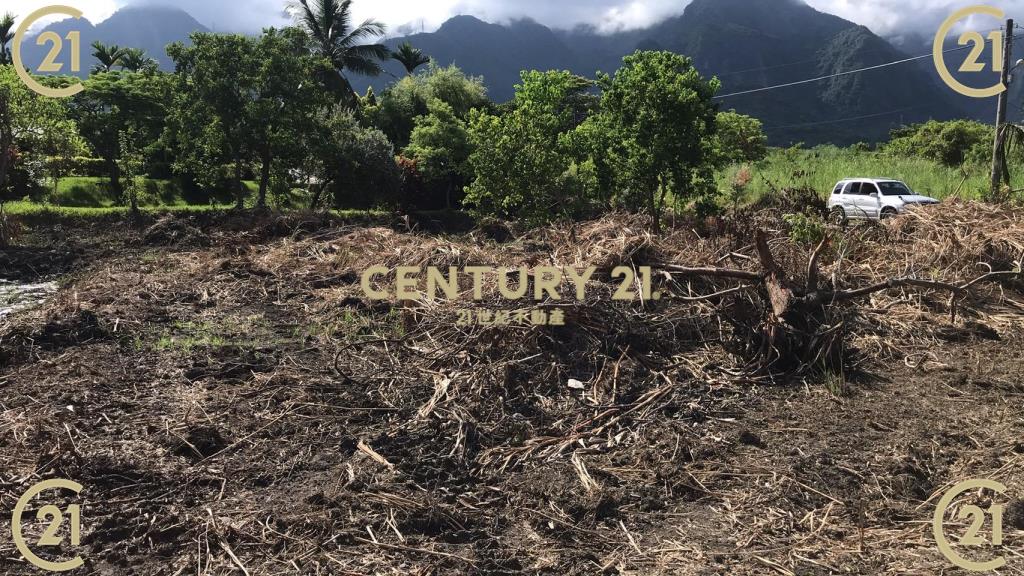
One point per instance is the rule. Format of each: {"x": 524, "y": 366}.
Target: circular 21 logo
{"x": 49, "y": 64}
{"x": 972, "y": 538}
{"x": 54, "y": 517}
{"x": 972, "y": 63}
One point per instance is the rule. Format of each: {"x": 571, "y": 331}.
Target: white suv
{"x": 872, "y": 199}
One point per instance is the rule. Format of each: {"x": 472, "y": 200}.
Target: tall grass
{"x": 821, "y": 167}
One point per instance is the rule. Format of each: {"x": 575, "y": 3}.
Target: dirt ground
{"x": 232, "y": 403}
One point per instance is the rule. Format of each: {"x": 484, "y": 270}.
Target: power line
{"x": 866, "y": 116}
{"x": 838, "y": 74}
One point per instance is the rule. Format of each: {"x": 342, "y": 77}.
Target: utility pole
{"x": 997, "y": 152}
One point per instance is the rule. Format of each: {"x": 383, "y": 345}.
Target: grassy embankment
{"x": 91, "y": 196}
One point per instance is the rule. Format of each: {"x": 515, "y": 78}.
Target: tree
{"x": 660, "y": 113}
{"x": 411, "y": 58}
{"x": 131, "y": 162}
{"x": 27, "y": 122}
{"x": 117, "y": 102}
{"x": 349, "y": 160}
{"x": 398, "y": 107}
{"x": 329, "y": 26}
{"x": 286, "y": 101}
{"x": 60, "y": 142}
{"x": 108, "y": 56}
{"x": 740, "y": 138}
{"x": 951, "y": 143}
{"x": 136, "y": 60}
{"x": 242, "y": 99}
{"x": 521, "y": 160}
{"x": 208, "y": 126}
{"x": 6, "y": 35}
{"x": 440, "y": 146}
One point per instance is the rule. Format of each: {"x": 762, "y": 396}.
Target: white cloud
{"x": 94, "y": 10}
{"x": 901, "y": 17}
{"x": 886, "y": 17}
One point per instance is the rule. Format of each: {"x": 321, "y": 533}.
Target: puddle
{"x": 16, "y": 297}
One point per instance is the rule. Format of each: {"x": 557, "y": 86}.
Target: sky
{"x": 890, "y": 18}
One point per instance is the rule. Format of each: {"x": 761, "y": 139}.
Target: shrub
{"x": 952, "y": 143}
{"x": 395, "y": 111}
{"x": 740, "y": 138}
{"x": 79, "y": 166}
{"x": 805, "y": 229}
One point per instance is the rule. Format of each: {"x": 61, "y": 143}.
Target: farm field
{"x": 231, "y": 399}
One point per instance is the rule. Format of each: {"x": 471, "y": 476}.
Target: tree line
{"x": 279, "y": 109}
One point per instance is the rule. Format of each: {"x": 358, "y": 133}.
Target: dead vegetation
{"x": 243, "y": 406}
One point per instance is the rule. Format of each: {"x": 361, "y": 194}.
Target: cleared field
{"x": 237, "y": 401}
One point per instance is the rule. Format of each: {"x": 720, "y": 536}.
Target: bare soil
{"x": 232, "y": 403}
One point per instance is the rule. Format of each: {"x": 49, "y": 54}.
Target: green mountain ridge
{"x": 150, "y": 28}
{"x": 748, "y": 44}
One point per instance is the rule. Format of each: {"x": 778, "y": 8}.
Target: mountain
{"x": 499, "y": 52}
{"x": 748, "y": 44}
{"x": 151, "y": 28}
{"x": 982, "y": 109}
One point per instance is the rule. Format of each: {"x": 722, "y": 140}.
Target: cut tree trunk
{"x": 800, "y": 328}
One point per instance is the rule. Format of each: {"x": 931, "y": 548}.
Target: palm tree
{"x": 135, "y": 60}
{"x": 6, "y": 35}
{"x": 329, "y": 25}
{"x": 108, "y": 56}
{"x": 411, "y": 58}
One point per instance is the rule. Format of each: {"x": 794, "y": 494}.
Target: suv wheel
{"x": 838, "y": 216}
{"x": 888, "y": 213}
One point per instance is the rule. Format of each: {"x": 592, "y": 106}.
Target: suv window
{"x": 853, "y": 188}
{"x": 895, "y": 189}
{"x": 838, "y": 190}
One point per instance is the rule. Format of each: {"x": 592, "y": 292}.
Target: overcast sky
{"x": 885, "y": 17}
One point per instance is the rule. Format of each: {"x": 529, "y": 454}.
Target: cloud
{"x": 891, "y": 18}
{"x": 885, "y": 17}
{"x": 94, "y": 10}
{"x": 894, "y": 18}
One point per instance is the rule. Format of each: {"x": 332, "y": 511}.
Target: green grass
{"x": 820, "y": 168}
{"x": 92, "y": 192}
{"x": 25, "y": 208}
{"x": 80, "y": 196}
{"x": 96, "y": 192}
